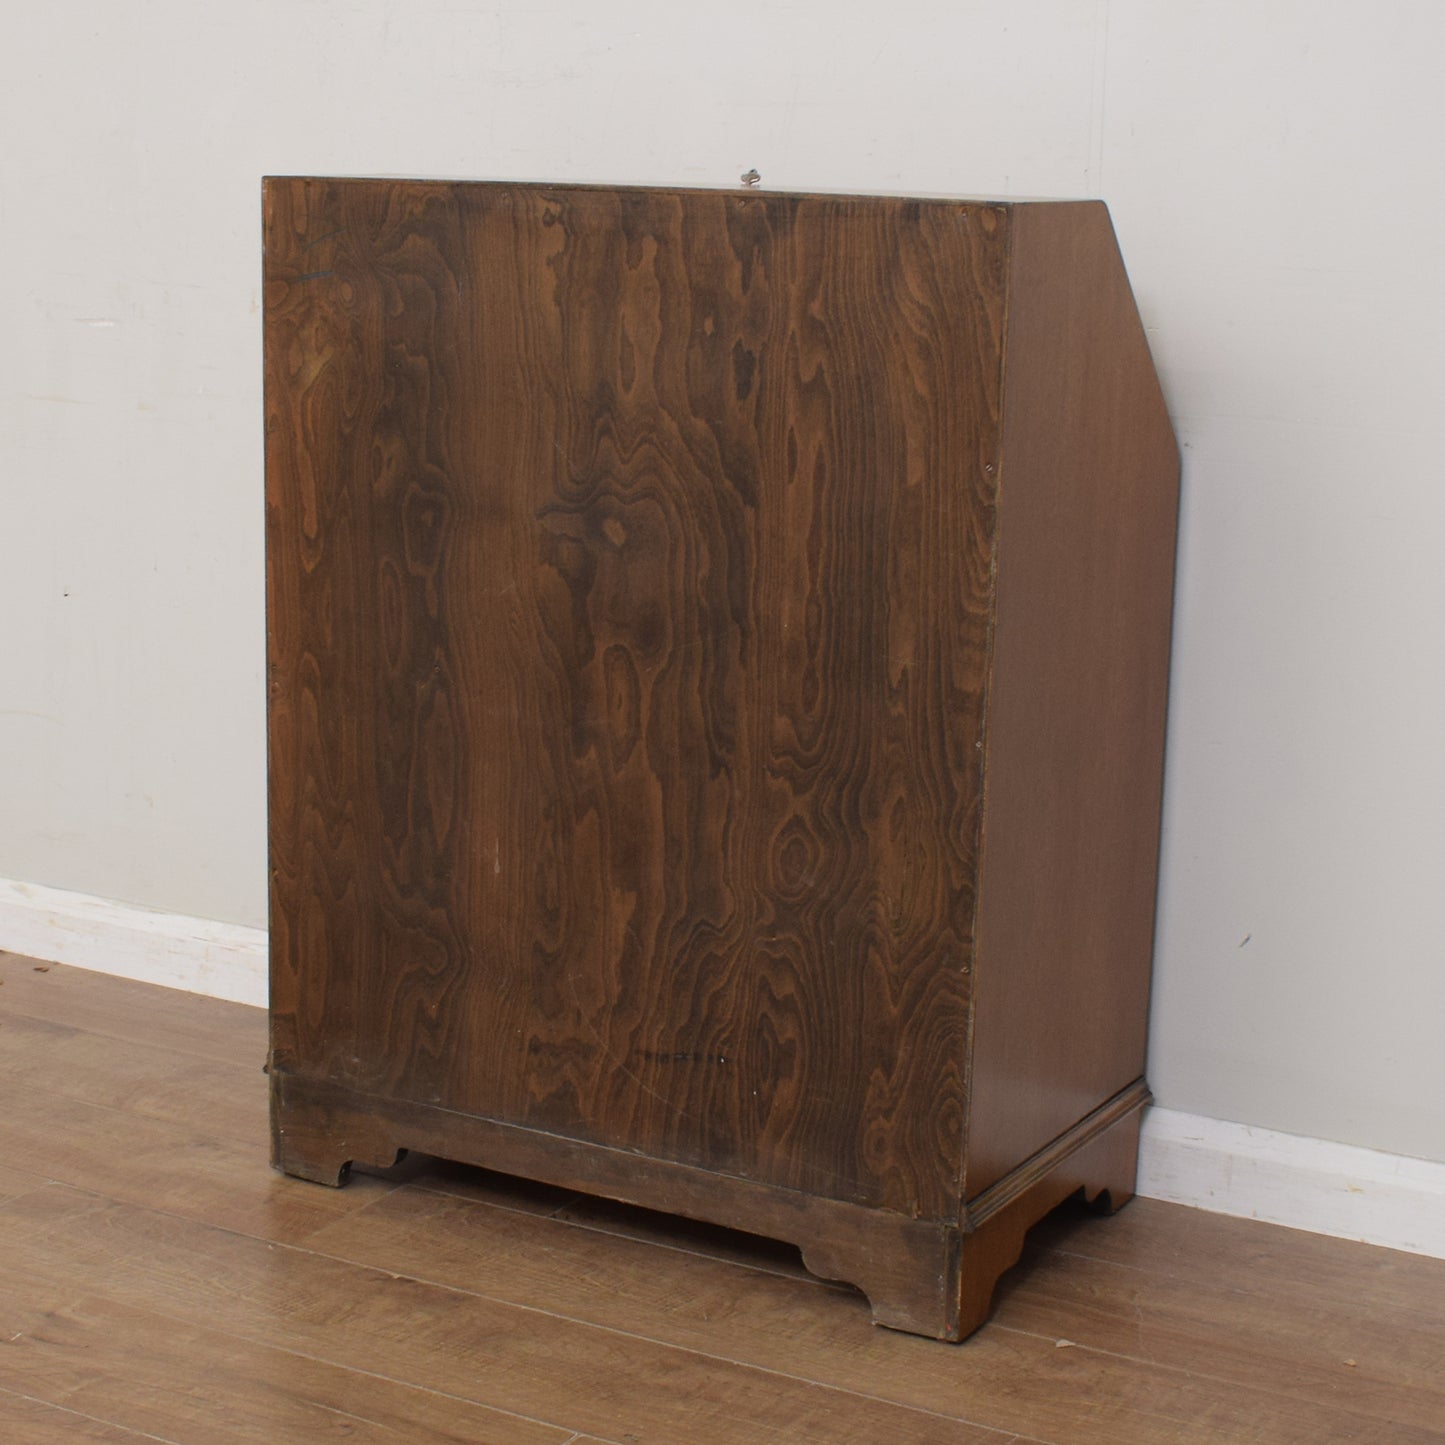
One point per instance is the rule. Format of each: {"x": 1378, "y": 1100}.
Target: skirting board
{"x": 1309, "y": 1184}
{"x": 222, "y": 960}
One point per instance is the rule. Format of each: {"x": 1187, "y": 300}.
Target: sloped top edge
{"x": 608, "y": 187}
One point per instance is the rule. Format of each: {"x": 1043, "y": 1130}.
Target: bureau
{"x": 717, "y": 661}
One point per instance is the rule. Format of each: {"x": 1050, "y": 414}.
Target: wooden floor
{"x": 158, "y": 1282}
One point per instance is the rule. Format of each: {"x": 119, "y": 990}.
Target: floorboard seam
{"x": 302, "y": 1248}
{"x": 94, "y": 1419}
{"x": 661, "y": 1343}
{"x": 192, "y": 1055}
{"x": 683, "y": 1249}
{"x": 262, "y": 1340}
{"x": 1359, "y": 1412}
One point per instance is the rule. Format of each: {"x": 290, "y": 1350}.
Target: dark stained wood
{"x": 585, "y": 508}
{"x": 633, "y": 570}
{"x": 908, "y": 1267}
{"x": 1088, "y": 499}
{"x": 690, "y": 1236}
{"x": 482, "y": 1308}
{"x": 1096, "y": 1160}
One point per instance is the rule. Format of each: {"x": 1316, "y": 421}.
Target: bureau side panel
{"x": 630, "y": 558}
{"x": 1075, "y": 734}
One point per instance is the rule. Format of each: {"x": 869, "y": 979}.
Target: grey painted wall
{"x": 1272, "y": 168}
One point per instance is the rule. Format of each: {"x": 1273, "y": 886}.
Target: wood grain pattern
{"x": 119, "y": 1362}
{"x": 194, "y": 1173}
{"x": 1133, "y": 1366}
{"x": 608, "y": 792}
{"x": 15, "y": 1182}
{"x": 37, "y": 1423}
{"x": 456, "y": 1296}
{"x": 459, "y": 1343}
{"x": 119, "y": 1008}
{"x": 635, "y": 592}
{"x": 1283, "y": 1342}
{"x": 98, "y": 1069}
{"x": 908, "y": 1267}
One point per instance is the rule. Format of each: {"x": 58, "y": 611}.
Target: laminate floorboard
{"x": 1017, "y": 1380}
{"x": 216, "y": 1097}
{"x": 175, "y": 1168}
{"x": 14, "y": 1182}
{"x": 85, "y": 1352}
{"x": 158, "y": 1282}
{"x": 209, "y": 1028}
{"x": 37, "y": 1423}
{"x": 524, "y": 1359}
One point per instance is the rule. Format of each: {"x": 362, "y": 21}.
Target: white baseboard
{"x": 1225, "y": 1168}
{"x": 1310, "y": 1184}
{"x": 223, "y": 960}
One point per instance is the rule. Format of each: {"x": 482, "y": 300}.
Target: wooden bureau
{"x": 718, "y": 646}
